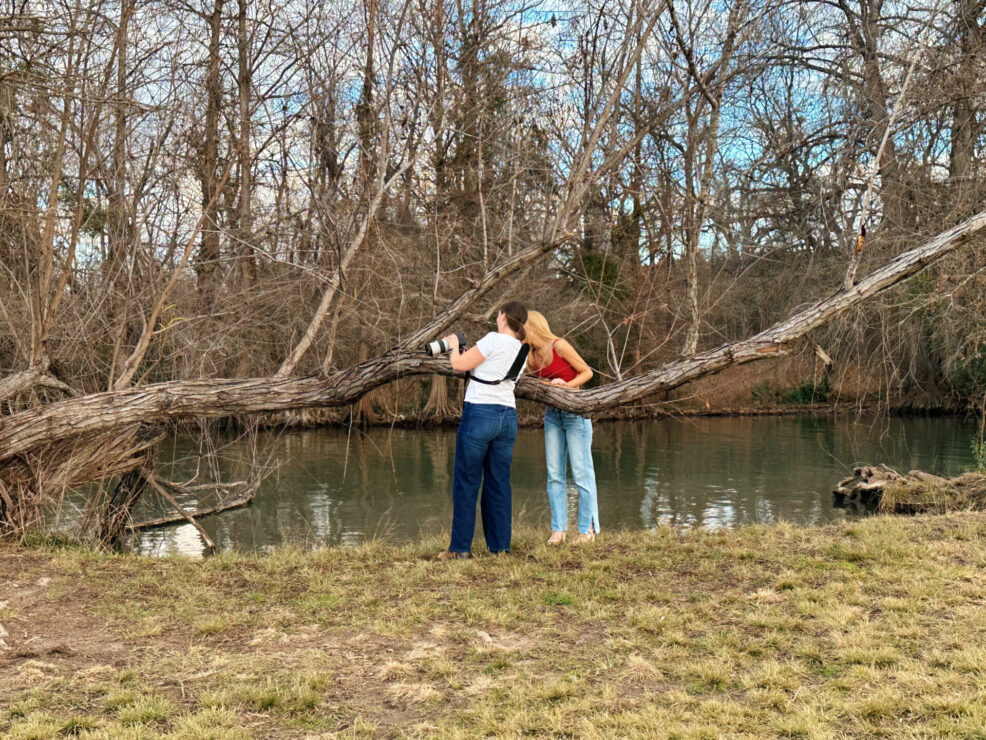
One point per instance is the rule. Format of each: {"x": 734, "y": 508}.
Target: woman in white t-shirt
{"x": 484, "y": 444}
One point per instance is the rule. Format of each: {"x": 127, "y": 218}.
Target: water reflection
{"x": 341, "y": 488}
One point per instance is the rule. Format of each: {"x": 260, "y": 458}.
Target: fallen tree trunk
{"x": 100, "y": 412}
{"x": 877, "y": 487}
{"x": 104, "y": 434}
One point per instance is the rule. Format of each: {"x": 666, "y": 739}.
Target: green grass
{"x": 872, "y": 629}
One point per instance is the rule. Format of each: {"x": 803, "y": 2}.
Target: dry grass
{"x": 964, "y": 493}
{"x": 865, "y": 630}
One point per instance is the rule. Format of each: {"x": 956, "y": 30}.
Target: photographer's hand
{"x": 452, "y": 340}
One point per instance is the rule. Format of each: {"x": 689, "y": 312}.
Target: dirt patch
{"x": 55, "y": 629}
{"x": 49, "y": 628}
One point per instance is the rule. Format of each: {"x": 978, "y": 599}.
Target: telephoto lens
{"x": 440, "y": 347}
{"x": 436, "y": 348}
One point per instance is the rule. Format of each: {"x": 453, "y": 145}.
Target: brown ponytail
{"x": 515, "y": 313}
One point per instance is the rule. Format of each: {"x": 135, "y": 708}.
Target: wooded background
{"x": 400, "y": 151}
{"x": 287, "y": 189}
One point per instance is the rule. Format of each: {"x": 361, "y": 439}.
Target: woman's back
{"x": 499, "y": 350}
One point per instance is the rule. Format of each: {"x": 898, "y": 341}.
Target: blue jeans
{"x": 484, "y": 448}
{"x": 570, "y": 436}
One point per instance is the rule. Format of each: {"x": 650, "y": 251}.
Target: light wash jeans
{"x": 570, "y": 436}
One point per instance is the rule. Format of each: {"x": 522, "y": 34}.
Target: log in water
{"x": 879, "y": 487}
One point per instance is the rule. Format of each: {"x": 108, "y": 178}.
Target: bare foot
{"x": 557, "y": 538}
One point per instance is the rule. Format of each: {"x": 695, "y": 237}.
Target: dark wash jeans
{"x": 484, "y": 448}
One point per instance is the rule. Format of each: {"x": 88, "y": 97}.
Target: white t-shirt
{"x": 500, "y": 351}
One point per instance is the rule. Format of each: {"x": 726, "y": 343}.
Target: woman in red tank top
{"x": 567, "y": 437}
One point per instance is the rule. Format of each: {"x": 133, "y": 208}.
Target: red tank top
{"x": 559, "y": 367}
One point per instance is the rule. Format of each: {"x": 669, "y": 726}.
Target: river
{"x": 342, "y": 487}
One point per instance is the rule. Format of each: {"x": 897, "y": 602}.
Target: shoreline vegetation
{"x": 868, "y": 628}
{"x": 334, "y": 418}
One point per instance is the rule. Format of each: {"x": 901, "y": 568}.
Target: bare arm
{"x": 463, "y": 361}
{"x": 567, "y": 352}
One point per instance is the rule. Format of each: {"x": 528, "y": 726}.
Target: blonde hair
{"x": 538, "y": 331}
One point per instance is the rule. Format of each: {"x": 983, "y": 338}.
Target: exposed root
{"x": 439, "y": 406}
{"x": 115, "y": 514}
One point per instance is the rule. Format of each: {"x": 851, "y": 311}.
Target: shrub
{"x": 968, "y": 375}
{"x": 601, "y": 272}
{"x": 766, "y": 393}
{"x": 809, "y": 392}
{"x": 806, "y": 393}
{"x": 979, "y": 455}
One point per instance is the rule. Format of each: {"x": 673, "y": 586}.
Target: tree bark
{"x": 865, "y": 24}
{"x": 244, "y": 213}
{"x": 207, "y": 261}
{"x": 965, "y": 129}
{"x": 120, "y": 230}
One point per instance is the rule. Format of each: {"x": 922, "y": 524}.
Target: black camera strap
{"x": 513, "y": 373}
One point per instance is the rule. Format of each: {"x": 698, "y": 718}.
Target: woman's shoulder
{"x": 566, "y": 351}
{"x": 500, "y": 337}
{"x": 489, "y": 337}
{"x": 498, "y": 340}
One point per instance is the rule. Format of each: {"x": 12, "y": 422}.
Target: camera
{"x": 440, "y": 347}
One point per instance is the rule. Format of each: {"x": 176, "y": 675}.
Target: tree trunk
{"x": 244, "y": 82}
{"x": 470, "y": 111}
{"x": 207, "y": 262}
{"x": 965, "y": 129}
{"x": 713, "y": 85}
{"x": 120, "y": 231}
{"x": 365, "y": 113}
{"x": 115, "y": 518}
{"x": 865, "y": 27}
{"x": 438, "y": 405}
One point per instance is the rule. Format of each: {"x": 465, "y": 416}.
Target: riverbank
{"x": 532, "y": 415}
{"x": 870, "y": 628}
